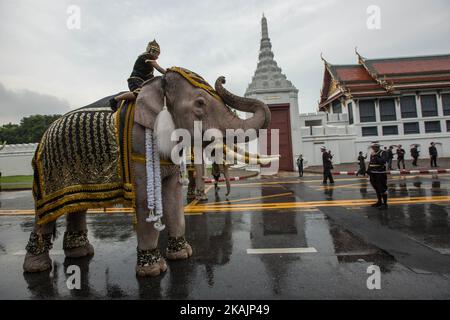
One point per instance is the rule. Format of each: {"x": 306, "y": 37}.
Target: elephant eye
{"x": 200, "y": 102}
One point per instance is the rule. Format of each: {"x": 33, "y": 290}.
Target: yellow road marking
{"x": 340, "y": 186}
{"x": 262, "y": 183}
{"x": 312, "y": 204}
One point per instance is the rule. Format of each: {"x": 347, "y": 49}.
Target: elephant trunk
{"x": 261, "y": 113}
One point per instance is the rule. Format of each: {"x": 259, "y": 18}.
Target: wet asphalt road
{"x": 410, "y": 243}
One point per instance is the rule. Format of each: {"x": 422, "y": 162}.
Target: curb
{"x": 397, "y": 172}
{"x": 14, "y": 189}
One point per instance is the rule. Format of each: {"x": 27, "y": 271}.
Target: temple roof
{"x": 383, "y": 77}
{"x": 268, "y": 76}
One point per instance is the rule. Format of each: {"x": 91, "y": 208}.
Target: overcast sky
{"x": 47, "y": 68}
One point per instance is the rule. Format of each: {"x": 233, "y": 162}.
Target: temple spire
{"x": 264, "y": 29}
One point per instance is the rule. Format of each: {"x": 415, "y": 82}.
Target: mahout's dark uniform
{"x": 142, "y": 71}
{"x": 378, "y": 176}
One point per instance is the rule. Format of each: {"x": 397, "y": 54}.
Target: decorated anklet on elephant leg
{"x": 178, "y": 248}
{"x": 150, "y": 263}
{"x": 39, "y": 243}
{"x": 37, "y": 258}
{"x": 76, "y": 244}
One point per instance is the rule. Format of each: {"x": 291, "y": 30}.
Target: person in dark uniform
{"x": 327, "y": 166}
{"x": 390, "y": 157}
{"x": 300, "y": 165}
{"x": 414, "y": 155}
{"x": 215, "y": 171}
{"x": 378, "y": 175}
{"x": 142, "y": 71}
{"x": 400, "y": 157}
{"x": 433, "y": 154}
{"x": 362, "y": 164}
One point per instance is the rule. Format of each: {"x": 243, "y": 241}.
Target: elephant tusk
{"x": 249, "y": 158}
{"x": 257, "y": 156}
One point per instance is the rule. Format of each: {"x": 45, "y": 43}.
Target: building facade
{"x": 395, "y": 101}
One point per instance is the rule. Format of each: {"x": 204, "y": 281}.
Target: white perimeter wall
{"x": 15, "y": 159}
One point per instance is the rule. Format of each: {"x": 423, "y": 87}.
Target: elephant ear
{"x": 149, "y": 103}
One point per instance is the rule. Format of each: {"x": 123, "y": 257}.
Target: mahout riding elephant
{"x": 78, "y": 158}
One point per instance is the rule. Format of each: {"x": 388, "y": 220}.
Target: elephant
{"x": 187, "y": 101}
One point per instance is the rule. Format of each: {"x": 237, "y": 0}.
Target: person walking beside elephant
{"x": 327, "y": 166}
{"x": 216, "y": 170}
{"x": 300, "y": 165}
{"x": 390, "y": 157}
{"x": 415, "y": 155}
{"x": 433, "y": 155}
{"x": 362, "y": 164}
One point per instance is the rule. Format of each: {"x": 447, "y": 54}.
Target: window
{"x": 312, "y": 123}
{"x": 390, "y": 130}
{"x": 411, "y": 128}
{"x": 429, "y": 105}
{"x": 432, "y": 126}
{"x": 350, "y": 113}
{"x": 336, "y": 106}
{"x": 408, "y": 107}
{"x": 369, "y": 131}
{"x": 367, "y": 111}
{"x": 446, "y": 104}
{"x": 448, "y": 125}
{"x": 387, "y": 110}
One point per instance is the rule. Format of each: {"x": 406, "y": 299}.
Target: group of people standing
{"x": 400, "y": 153}
{"x": 327, "y": 165}
{"x": 380, "y": 163}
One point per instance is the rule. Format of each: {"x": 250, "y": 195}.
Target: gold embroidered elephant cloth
{"x": 83, "y": 162}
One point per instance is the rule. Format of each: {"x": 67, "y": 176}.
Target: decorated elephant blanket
{"x": 82, "y": 162}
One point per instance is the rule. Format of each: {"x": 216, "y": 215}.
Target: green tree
{"x": 30, "y": 129}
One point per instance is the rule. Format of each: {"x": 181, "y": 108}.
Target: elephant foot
{"x": 87, "y": 250}
{"x": 37, "y": 263}
{"x": 150, "y": 263}
{"x": 178, "y": 249}
{"x": 37, "y": 258}
{"x": 76, "y": 244}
